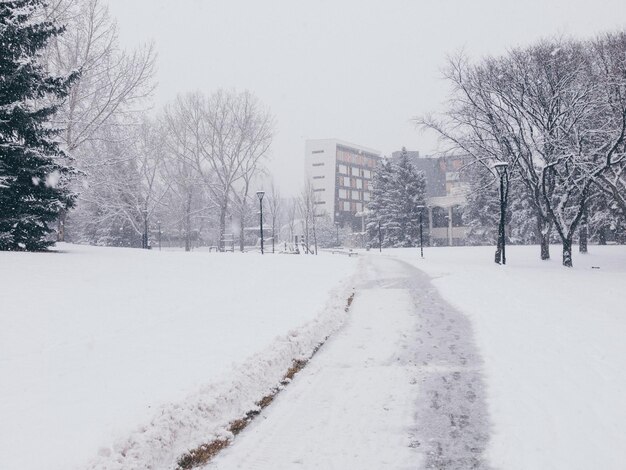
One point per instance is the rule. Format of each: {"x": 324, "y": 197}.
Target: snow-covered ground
{"x": 121, "y": 355}
{"x": 117, "y": 359}
{"x": 553, "y": 347}
{"x": 353, "y": 406}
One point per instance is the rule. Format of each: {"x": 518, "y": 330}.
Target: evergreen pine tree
{"x": 32, "y": 168}
{"x": 407, "y": 191}
{"x": 397, "y": 191}
{"x": 378, "y": 207}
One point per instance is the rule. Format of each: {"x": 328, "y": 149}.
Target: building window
{"x": 359, "y": 207}
{"x": 346, "y": 206}
{"x": 318, "y": 177}
{"x": 317, "y": 151}
{"x": 343, "y": 169}
{"x": 318, "y": 164}
{"x": 343, "y": 194}
{"x": 359, "y": 184}
{"x": 366, "y": 196}
{"x": 356, "y": 195}
{"x": 346, "y": 181}
{"x": 367, "y": 174}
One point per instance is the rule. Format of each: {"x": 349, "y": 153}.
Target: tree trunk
{"x": 583, "y": 236}
{"x": 545, "y": 246}
{"x": 61, "y": 226}
{"x": 144, "y": 237}
{"x": 602, "y": 236}
{"x": 222, "y": 231}
{"x": 498, "y": 256}
{"x": 241, "y": 235}
{"x": 545, "y": 229}
{"x": 188, "y": 224}
{"x": 567, "y": 252}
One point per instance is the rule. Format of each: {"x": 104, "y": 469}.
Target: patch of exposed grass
{"x": 202, "y": 454}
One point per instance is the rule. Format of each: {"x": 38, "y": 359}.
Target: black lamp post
{"x": 260, "y": 195}
{"x": 337, "y": 227}
{"x": 421, "y": 209}
{"x": 501, "y": 169}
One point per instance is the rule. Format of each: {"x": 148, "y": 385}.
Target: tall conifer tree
{"x": 398, "y": 190}
{"x": 406, "y": 192}
{"x": 32, "y": 168}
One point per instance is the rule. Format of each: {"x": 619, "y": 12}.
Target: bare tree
{"x": 181, "y": 152}
{"x": 113, "y": 83}
{"x": 242, "y": 204}
{"x": 274, "y": 203}
{"x": 224, "y": 137}
{"x": 307, "y": 206}
{"x": 292, "y": 212}
{"x": 544, "y": 110}
{"x": 238, "y": 134}
{"x": 126, "y": 191}
{"x": 609, "y": 52}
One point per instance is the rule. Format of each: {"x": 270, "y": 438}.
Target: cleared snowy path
{"x": 396, "y": 388}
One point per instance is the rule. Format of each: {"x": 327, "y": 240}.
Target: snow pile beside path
{"x": 204, "y": 416}
{"x": 552, "y": 341}
{"x": 95, "y": 342}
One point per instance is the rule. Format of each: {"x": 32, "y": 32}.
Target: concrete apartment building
{"x": 341, "y": 175}
{"x": 445, "y": 196}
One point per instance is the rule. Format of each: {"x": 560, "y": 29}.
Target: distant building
{"x": 341, "y": 175}
{"x": 445, "y": 195}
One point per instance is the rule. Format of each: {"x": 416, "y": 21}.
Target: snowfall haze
{"x": 355, "y": 70}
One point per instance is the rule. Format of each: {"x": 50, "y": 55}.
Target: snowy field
{"x": 119, "y": 358}
{"x": 109, "y": 355}
{"x": 552, "y": 342}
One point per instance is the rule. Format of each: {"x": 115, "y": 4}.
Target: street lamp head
{"x": 500, "y": 167}
{"x": 421, "y": 207}
{"x": 260, "y": 195}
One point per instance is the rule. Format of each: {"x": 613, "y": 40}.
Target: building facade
{"x": 340, "y": 174}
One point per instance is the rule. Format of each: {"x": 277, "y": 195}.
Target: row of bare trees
{"x": 112, "y": 87}
{"x": 556, "y": 113}
{"x": 192, "y": 167}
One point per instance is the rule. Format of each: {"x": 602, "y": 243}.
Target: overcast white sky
{"x": 358, "y": 70}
